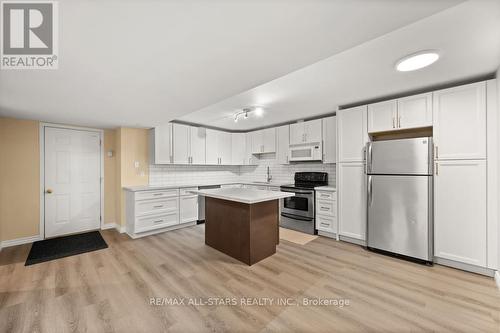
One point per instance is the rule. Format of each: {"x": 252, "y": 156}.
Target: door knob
{"x": 48, "y": 190}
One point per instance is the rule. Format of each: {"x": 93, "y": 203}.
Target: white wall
{"x": 498, "y": 103}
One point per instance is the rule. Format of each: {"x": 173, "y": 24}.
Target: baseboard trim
{"x": 119, "y": 228}
{"x": 20, "y": 241}
{"x": 327, "y": 234}
{"x": 352, "y": 240}
{"x": 497, "y": 278}
{"x": 465, "y": 267}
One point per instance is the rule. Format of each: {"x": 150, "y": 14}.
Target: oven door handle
{"x": 286, "y": 189}
{"x": 295, "y": 217}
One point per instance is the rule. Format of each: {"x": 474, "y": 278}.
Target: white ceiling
{"x": 467, "y": 36}
{"x": 142, "y": 63}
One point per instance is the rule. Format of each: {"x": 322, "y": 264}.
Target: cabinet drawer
{"x": 145, "y": 195}
{"x": 157, "y": 206}
{"x": 155, "y": 222}
{"x": 326, "y": 195}
{"x": 326, "y": 207}
{"x": 187, "y": 190}
{"x": 326, "y": 223}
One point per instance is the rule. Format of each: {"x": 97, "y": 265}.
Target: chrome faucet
{"x": 269, "y": 177}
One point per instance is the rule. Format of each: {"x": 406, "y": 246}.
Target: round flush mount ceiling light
{"x": 416, "y": 61}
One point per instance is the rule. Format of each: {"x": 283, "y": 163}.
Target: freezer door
{"x": 400, "y": 215}
{"x": 403, "y": 157}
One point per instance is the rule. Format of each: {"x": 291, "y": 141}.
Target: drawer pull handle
{"x": 325, "y": 195}
{"x": 325, "y": 208}
{"x": 158, "y": 206}
{"x": 325, "y": 224}
{"x": 157, "y": 194}
{"x": 158, "y": 221}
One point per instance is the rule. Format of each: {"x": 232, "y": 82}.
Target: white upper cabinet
{"x": 382, "y": 116}
{"x": 161, "y": 149}
{"x": 415, "y": 111}
{"x": 305, "y": 132}
{"x": 460, "y": 211}
{"x": 238, "y": 149}
{"x": 181, "y": 138}
{"x": 212, "y": 151}
{"x": 218, "y": 147}
{"x": 250, "y": 159}
{"x": 264, "y": 141}
{"x": 351, "y": 200}
{"x": 189, "y": 144}
{"x": 460, "y": 122}
{"x": 352, "y": 134}
{"x": 283, "y": 144}
{"x": 403, "y": 113}
{"x": 330, "y": 140}
{"x": 197, "y": 145}
{"x": 225, "y": 147}
{"x": 269, "y": 135}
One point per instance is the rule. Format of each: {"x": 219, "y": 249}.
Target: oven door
{"x": 302, "y": 204}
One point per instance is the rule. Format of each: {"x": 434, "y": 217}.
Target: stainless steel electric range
{"x": 297, "y": 212}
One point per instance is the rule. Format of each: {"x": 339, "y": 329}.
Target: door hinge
{"x": 100, "y": 218}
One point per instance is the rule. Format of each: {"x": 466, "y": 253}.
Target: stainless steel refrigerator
{"x": 399, "y": 197}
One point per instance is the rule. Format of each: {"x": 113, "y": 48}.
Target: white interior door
{"x": 72, "y": 181}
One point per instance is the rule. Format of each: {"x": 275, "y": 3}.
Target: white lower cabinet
{"x": 351, "y": 198}
{"x": 326, "y": 212}
{"x": 460, "y": 211}
{"x": 154, "y": 211}
{"x": 188, "y": 208}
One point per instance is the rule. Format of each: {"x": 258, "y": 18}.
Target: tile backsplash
{"x": 185, "y": 174}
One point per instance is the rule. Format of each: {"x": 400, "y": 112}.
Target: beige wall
{"x": 19, "y": 178}
{"x": 132, "y": 146}
{"x": 109, "y": 176}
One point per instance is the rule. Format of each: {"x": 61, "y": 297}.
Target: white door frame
{"x": 42, "y": 169}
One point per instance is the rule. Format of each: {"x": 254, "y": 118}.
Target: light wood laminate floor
{"x": 109, "y": 290}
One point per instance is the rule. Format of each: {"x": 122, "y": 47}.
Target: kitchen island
{"x": 242, "y": 223}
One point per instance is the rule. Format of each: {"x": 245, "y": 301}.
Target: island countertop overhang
{"x": 242, "y": 195}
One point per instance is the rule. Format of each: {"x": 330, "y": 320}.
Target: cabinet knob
{"x": 49, "y": 190}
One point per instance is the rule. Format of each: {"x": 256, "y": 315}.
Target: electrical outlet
{"x": 136, "y": 164}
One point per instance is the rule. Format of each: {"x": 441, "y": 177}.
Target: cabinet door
{"x": 460, "y": 211}
{"x": 460, "y": 122}
{"x": 224, "y": 147}
{"x": 257, "y": 142}
{"x": 188, "y": 208}
{"x": 352, "y": 134}
{"x": 297, "y": 133}
{"x": 197, "y": 145}
{"x": 269, "y": 136}
{"x": 238, "y": 149}
{"x": 181, "y": 143}
{"x": 415, "y": 111}
{"x": 330, "y": 140}
{"x": 283, "y": 144}
{"x": 161, "y": 141}
{"x": 351, "y": 200}
{"x": 382, "y": 116}
{"x": 312, "y": 131}
{"x": 250, "y": 158}
{"x": 212, "y": 151}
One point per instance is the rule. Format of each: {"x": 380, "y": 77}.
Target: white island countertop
{"x": 243, "y": 195}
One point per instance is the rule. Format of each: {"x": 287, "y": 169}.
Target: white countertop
{"x": 243, "y": 195}
{"x": 326, "y": 188}
{"x": 165, "y": 187}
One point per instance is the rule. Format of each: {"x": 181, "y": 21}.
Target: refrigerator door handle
{"x": 370, "y": 193}
{"x": 369, "y": 158}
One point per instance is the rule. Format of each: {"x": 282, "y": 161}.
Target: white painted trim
{"x": 497, "y": 278}
{"x": 42, "y": 169}
{"x": 352, "y": 240}
{"x": 464, "y": 267}
{"x": 20, "y": 241}
{"x": 107, "y": 226}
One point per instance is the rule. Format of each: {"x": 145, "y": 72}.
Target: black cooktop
{"x": 309, "y": 180}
